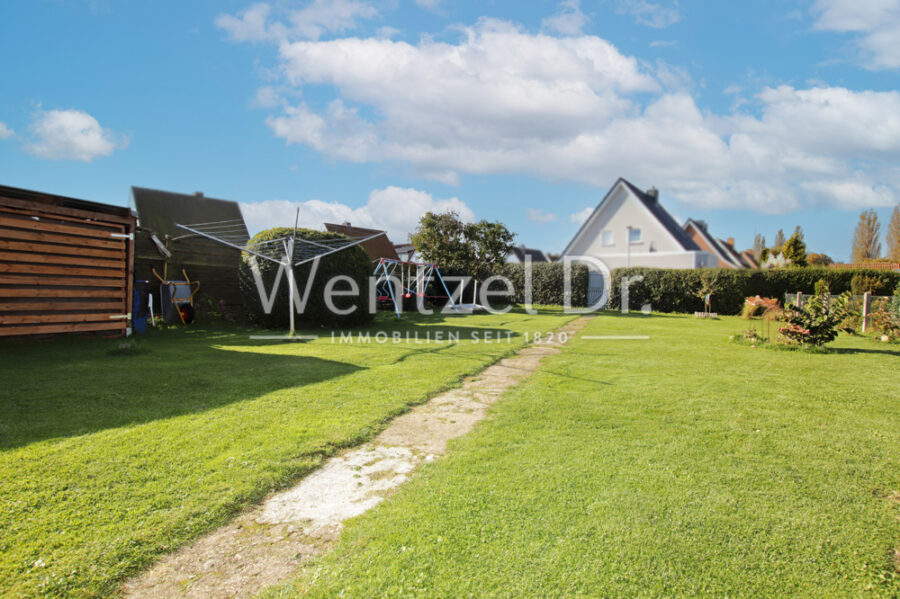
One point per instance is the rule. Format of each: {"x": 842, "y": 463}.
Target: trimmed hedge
{"x": 547, "y": 283}
{"x": 353, "y": 262}
{"x": 668, "y": 290}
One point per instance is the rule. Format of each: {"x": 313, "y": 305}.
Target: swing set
{"x": 397, "y": 280}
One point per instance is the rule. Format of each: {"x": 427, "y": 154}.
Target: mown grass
{"x": 682, "y": 465}
{"x": 110, "y": 458}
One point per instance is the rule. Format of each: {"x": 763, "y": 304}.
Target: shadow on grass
{"x": 856, "y": 350}
{"x": 76, "y": 387}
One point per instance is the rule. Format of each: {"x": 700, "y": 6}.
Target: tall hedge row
{"x": 668, "y": 290}
{"x": 548, "y": 283}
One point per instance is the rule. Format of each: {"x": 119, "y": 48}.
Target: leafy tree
{"x": 893, "y": 236}
{"x": 475, "y": 248}
{"x": 814, "y": 259}
{"x": 489, "y": 243}
{"x": 440, "y": 238}
{"x": 794, "y": 249}
{"x": 866, "y": 246}
{"x": 778, "y": 243}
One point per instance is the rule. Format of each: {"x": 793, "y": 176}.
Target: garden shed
{"x": 161, "y": 245}
{"x": 65, "y": 265}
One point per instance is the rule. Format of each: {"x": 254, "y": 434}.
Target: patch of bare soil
{"x": 267, "y": 544}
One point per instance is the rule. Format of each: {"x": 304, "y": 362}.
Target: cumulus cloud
{"x": 540, "y": 216}
{"x": 570, "y": 19}
{"x": 396, "y": 210}
{"x": 6, "y": 132}
{"x": 504, "y": 100}
{"x": 875, "y": 22}
{"x": 258, "y": 23}
{"x": 71, "y": 135}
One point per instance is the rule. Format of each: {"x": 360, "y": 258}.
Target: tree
{"x": 489, "y": 244}
{"x": 893, "y": 235}
{"x": 759, "y": 244}
{"x": 440, "y": 238}
{"x": 778, "y": 243}
{"x": 794, "y": 249}
{"x": 814, "y": 259}
{"x": 866, "y": 246}
{"x": 474, "y": 248}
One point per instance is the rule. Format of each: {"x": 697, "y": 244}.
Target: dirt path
{"x": 267, "y": 544}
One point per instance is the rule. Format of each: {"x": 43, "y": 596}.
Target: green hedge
{"x": 547, "y": 283}
{"x": 353, "y": 262}
{"x": 669, "y": 290}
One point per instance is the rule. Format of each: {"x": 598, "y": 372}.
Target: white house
{"x": 631, "y": 228}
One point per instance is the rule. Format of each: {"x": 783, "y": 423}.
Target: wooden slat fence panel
{"x": 62, "y": 269}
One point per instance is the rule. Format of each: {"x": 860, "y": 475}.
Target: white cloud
{"x": 396, "y": 210}
{"x": 540, "y": 216}
{"x": 649, "y": 13}
{"x": 876, "y": 23}
{"x": 429, "y": 4}
{"x": 310, "y": 22}
{"x": 502, "y": 100}
{"x": 569, "y": 20}
{"x": 582, "y": 215}
{"x": 6, "y": 132}
{"x": 71, "y": 135}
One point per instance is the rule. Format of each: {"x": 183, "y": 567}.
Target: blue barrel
{"x": 140, "y": 306}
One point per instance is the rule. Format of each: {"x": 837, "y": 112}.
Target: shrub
{"x": 816, "y": 323}
{"x": 757, "y": 306}
{"x": 669, "y": 290}
{"x": 886, "y": 319}
{"x": 353, "y": 262}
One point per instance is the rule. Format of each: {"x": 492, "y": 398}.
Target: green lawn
{"x": 108, "y": 461}
{"x": 682, "y": 465}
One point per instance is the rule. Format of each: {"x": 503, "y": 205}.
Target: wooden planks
{"x": 63, "y": 270}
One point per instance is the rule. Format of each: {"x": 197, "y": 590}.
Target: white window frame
{"x": 607, "y": 238}
{"x": 640, "y": 235}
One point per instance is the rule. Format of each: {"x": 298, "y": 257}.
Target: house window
{"x": 634, "y": 236}
{"x": 606, "y": 238}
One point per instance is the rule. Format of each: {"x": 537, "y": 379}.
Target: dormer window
{"x": 607, "y": 238}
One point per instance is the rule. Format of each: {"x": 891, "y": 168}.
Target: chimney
{"x": 198, "y": 194}
{"x": 653, "y": 193}
{"x": 731, "y": 241}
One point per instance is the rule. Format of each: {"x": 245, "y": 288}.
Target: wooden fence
{"x": 65, "y": 265}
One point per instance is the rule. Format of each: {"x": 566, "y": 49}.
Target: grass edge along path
{"x": 266, "y": 544}
{"x": 106, "y": 463}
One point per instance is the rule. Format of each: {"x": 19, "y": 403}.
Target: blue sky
{"x": 753, "y": 116}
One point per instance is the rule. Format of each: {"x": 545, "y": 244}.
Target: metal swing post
{"x": 444, "y": 285}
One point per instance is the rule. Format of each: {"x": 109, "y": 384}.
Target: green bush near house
{"x": 353, "y": 262}
{"x": 669, "y": 290}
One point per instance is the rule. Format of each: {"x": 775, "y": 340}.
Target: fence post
{"x": 865, "y": 313}
{"x": 800, "y": 299}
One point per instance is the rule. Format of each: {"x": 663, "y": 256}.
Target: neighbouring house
{"x": 630, "y": 227}
{"x": 519, "y": 253}
{"x": 65, "y": 265}
{"x": 162, "y": 246}
{"x": 377, "y": 247}
{"x": 724, "y": 251}
{"x": 406, "y": 251}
